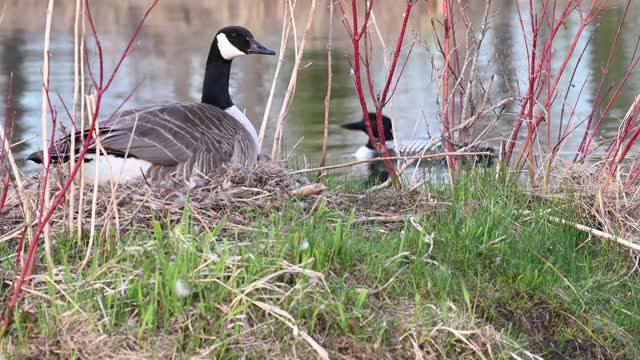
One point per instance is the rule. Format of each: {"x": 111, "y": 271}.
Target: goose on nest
{"x": 406, "y": 146}
{"x": 158, "y": 141}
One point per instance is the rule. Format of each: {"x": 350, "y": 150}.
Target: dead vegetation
{"x": 449, "y": 333}
{"x": 433, "y": 332}
{"x": 78, "y": 336}
{"x": 545, "y": 325}
{"x": 230, "y": 191}
{"x": 233, "y": 191}
{"x": 618, "y": 210}
{"x": 242, "y": 196}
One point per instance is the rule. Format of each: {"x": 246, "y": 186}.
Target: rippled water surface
{"x": 168, "y": 62}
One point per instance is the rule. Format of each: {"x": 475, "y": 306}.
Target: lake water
{"x": 170, "y": 52}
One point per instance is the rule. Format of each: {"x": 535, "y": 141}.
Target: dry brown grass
{"x": 616, "y": 211}
{"x": 77, "y": 336}
{"x": 441, "y": 335}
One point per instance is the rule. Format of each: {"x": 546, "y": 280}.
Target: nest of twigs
{"x": 231, "y": 191}
{"x": 614, "y": 209}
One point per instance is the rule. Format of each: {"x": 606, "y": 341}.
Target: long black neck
{"x": 215, "y": 89}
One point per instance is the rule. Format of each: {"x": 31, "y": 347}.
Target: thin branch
{"x": 286, "y": 26}
{"x": 327, "y": 99}
{"x": 46, "y": 192}
{"x": 275, "y": 151}
{"x": 390, "y": 158}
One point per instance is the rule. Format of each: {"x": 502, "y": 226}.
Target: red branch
{"x": 356, "y": 34}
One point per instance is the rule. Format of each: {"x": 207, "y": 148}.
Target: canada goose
{"x": 406, "y": 147}
{"x": 183, "y": 138}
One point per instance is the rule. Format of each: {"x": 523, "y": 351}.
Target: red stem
{"x": 611, "y": 101}
{"x": 585, "y": 21}
{"x": 630, "y": 143}
{"x": 634, "y": 175}
{"x": 20, "y": 246}
{"x": 380, "y": 103}
{"x": 455, "y": 55}
{"x": 396, "y": 54}
{"x": 615, "y": 146}
{"x": 581, "y": 154}
{"x": 356, "y": 55}
{"x": 5, "y": 190}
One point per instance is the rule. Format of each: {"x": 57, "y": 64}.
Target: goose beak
{"x": 257, "y": 48}
{"x": 358, "y": 125}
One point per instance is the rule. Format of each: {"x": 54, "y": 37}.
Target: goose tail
{"x": 56, "y": 156}
{"x": 59, "y": 153}
{"x": 36, "y": 157}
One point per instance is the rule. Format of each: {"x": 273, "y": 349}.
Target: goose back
{"x": 177, "y": 139}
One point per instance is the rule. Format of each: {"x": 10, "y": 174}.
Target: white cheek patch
{"x": 227, "y": 50}
{"x": 364, "y": 153}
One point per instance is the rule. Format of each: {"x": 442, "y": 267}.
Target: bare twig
{"x": 275, "y": 151}
{"x": 327, "y": 99}
{"x": 17, "y": 290}
{"x": 45, "y": 134}
{"x": 74, "y": 109}
{"x": 286, "y": 26}
{"x": 356, "y": 33}
{"x": 82, "y": 124}
{"x": 391, "y": 158}
{"x": 601, "y": 234}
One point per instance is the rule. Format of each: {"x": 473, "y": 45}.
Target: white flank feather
{"x": 122, "y": 170}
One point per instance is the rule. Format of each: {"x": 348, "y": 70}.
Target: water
{"x": 170, "y": 52}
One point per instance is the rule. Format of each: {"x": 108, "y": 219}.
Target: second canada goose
{"x": 158, "y": 141}
{"x": 406, "y": 147}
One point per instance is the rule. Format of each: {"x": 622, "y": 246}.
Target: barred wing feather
{"x": 180, "y": 136}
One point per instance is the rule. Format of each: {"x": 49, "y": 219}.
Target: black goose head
{"x": 233, "y": 41}
{"x": 229, "y": 43}
{"x": 361, "y": 125}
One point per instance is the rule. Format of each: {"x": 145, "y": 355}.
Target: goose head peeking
{"x": 387, "y": 126}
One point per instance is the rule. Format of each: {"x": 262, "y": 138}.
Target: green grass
{"x": 472, "y": 275}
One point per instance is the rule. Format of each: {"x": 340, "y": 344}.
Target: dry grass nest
{"x": 231, "y": 191}
{"x": 615, "y": 210}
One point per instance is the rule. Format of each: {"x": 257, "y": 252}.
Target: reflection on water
{"x": 168, "y": 65}
{"x": 12, "y": 62}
